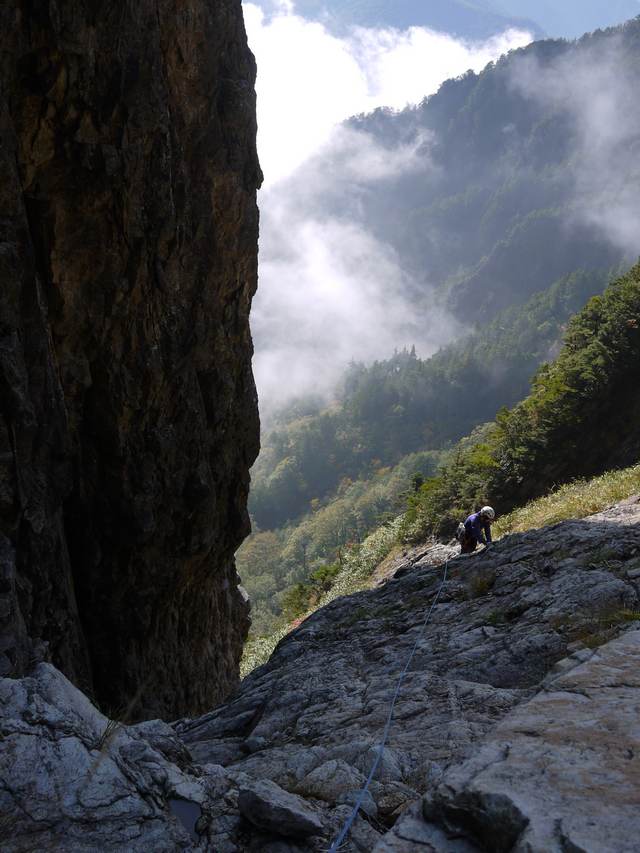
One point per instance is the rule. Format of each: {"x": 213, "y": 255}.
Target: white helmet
{"x": 489, "y": 512}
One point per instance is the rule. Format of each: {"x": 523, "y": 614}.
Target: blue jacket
{"x": 474, "y": 527}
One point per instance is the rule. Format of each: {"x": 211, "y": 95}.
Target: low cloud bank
{"x": 329, "y": 291}
{"x": 310, "y": 80}
{"x": 597, "y": 88}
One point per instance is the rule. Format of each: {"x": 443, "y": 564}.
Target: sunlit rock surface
{"x": 516, "y": 728}
{"x": 128, "y": 417}
{"x": 559, "y": 773}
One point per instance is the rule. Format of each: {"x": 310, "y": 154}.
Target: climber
{"x": 470, "y": 534}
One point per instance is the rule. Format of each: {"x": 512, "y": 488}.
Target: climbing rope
{"x": 349, "y": 823}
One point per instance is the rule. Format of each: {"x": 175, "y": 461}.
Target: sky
{"x": 328, "y": 291}
{"x": 309, "y": 80}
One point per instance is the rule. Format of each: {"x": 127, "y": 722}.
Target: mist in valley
{"x": 597, "y": 90}
{"x": 336, "y": 284}
{"x": 463, "y": 198}
{"x": 330, "y": 290}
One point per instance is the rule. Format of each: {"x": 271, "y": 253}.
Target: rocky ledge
{"x": 517, "y": 727}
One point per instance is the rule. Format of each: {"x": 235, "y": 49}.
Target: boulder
{"x": 560, "y": 772}
{"x": 267, "y": 806}
{"x": 331, "y": 780}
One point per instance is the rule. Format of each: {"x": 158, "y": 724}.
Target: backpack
{"x": 460, "y": 532}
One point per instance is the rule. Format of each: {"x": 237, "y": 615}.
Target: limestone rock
{"x": 268, "y": 807}
{"x": 72, "y": 782}
{"x": 560, "y": 772}
{"x": 516, "y": 728}
{"x": 331, "y": 780}
{"x": 510, "y": 622}
{"x": 128, "y": 417}
{"x": 412, "y": 835}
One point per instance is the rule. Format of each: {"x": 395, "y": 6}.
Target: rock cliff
{"x": 517, "y": 728}
{"x": 128, "y": 417}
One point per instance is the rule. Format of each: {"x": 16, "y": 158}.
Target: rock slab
{"x": 516, "y": 729}
{"x": 271, "y": 808}
{"x": 560, "y": 772}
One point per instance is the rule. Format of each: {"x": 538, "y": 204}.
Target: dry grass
{"x": 258, "y": 650}
{"x": 594, "y": 629}
{"x": 605, "y": 627}
{"x": 575, "y": 500}
{"x": 481, "y": 584}
{"x": 107, "y": 735}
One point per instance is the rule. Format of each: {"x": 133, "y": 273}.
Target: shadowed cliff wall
{"x": 128, "y": 414}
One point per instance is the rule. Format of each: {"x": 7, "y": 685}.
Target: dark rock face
{"x": 516, "y": 727}
{"x": 128, "y": 417}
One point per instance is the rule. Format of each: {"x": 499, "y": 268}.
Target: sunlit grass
{"x": 574, "y": 500}
{"x": 360, "y": 564}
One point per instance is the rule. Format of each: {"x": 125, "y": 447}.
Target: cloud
{"x": 310, "y": 80}
{"x": 329, "y": 291}
{"x": 595, "y": 87}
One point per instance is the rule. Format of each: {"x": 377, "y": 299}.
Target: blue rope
{"x": 345, "y": 829}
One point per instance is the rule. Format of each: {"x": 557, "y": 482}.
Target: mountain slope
{"x": 514, "y": 182}
{"x": 507, "y": 161}
{"x": 405, "y": 404}
{"x": 579, "y": 419}
{"x": 574, "y": 423}
{"x": 493, "y": 210}
{"x": 310, "y": 550}
{"x": 526, "y": 645}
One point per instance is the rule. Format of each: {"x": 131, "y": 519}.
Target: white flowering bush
{"x": 258, "y": 650}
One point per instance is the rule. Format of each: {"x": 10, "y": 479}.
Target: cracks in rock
{"x": 566, "y": 844}
{"x": 254, "y": 722}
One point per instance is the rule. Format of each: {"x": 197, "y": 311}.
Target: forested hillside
{"x": 404, "y": 404}
{"x": 518, "y": 207}
{"x": 501, "y": 204}
{"x": 273, "y": 562}
{"x": 580, "y": 419}
{"x": 327, "y": 478}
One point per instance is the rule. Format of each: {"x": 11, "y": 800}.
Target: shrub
{"x": 481, "y": 584}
